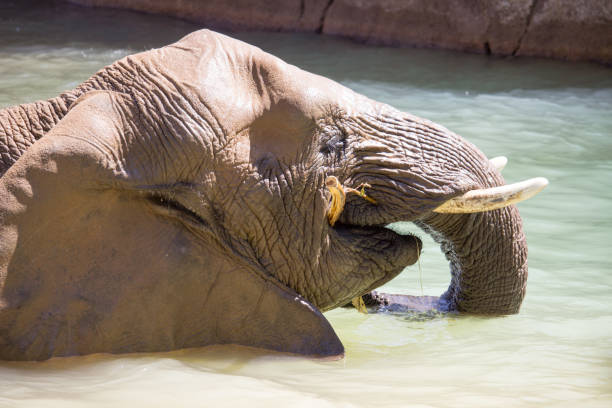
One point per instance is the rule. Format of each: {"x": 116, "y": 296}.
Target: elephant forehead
{"x": 238, "y": 83}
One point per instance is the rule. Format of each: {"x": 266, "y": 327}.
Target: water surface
{"x": 549, "y": 118}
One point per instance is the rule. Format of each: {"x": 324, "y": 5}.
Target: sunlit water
{"x": 549, "y": 118}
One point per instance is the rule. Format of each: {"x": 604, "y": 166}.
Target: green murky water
{"x": 550, "y": 119}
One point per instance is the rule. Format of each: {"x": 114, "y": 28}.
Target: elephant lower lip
{"x": 396, "y": 251}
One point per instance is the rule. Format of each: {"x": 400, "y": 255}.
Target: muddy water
{"x": 550, "y": 119}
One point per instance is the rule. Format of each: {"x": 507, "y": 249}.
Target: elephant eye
{"x": 171, "y": 207}
{"x": 335, "y": 143}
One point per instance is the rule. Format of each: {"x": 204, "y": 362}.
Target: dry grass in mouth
{"x": 336, "y": 206}
{"x": 338, "y": 197}
{"x": 359, "y": 305}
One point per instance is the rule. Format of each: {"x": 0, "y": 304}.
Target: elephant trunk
{"x": 487, "y": 254}
{"x": 487, "y": 251}
{"x": 414, "y": 167}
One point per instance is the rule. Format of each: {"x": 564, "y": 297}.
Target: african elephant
{"x": 177, "y": 199}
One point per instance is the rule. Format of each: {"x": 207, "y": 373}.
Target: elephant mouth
{"x": 370, "y": 256}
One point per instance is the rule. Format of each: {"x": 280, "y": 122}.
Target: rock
{"x": 476, "y": 25}
{"x": 282, "y": 15}
{"x": 563, "y": 29}
{"x": 570, "y": 29}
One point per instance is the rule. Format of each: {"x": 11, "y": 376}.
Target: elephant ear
{"x": 252, "y": 310}
{"x": 87, "y": 265}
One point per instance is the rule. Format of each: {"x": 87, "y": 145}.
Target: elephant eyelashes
{"x": 170, "y": 207}
{"x": 335, "y": 144}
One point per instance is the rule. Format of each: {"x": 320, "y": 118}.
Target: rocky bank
{"x": 563, "y": 29}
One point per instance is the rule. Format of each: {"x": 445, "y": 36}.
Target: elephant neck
{"x": 22, "y": 125}
{"x": 487, "y": 253}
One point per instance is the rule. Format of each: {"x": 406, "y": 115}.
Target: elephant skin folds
{"x": 178, "y": 200}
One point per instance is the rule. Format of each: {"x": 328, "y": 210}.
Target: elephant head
{"x": 177, "y": 199}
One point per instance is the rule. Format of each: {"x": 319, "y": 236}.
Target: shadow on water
{"x": 407, "y": 307}
{"x": 411, "y": 315}
{"x": 221, "y": 358}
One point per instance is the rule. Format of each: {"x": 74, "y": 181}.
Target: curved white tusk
{"x": 488, "y": 199}
{"x": 499, "y": 162}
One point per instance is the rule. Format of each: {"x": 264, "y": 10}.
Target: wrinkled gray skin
{"x": 176, "y": 199}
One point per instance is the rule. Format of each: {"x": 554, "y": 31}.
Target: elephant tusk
{"x": 499, "y": 162}
{"x": 493, "y": 198}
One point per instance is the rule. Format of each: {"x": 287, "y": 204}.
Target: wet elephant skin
{"x": 177, "y": 199}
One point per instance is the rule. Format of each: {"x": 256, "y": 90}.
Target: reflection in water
{"x": 550, "y": 119}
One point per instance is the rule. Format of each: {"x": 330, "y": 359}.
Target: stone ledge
{"x": 563, "y": 29}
